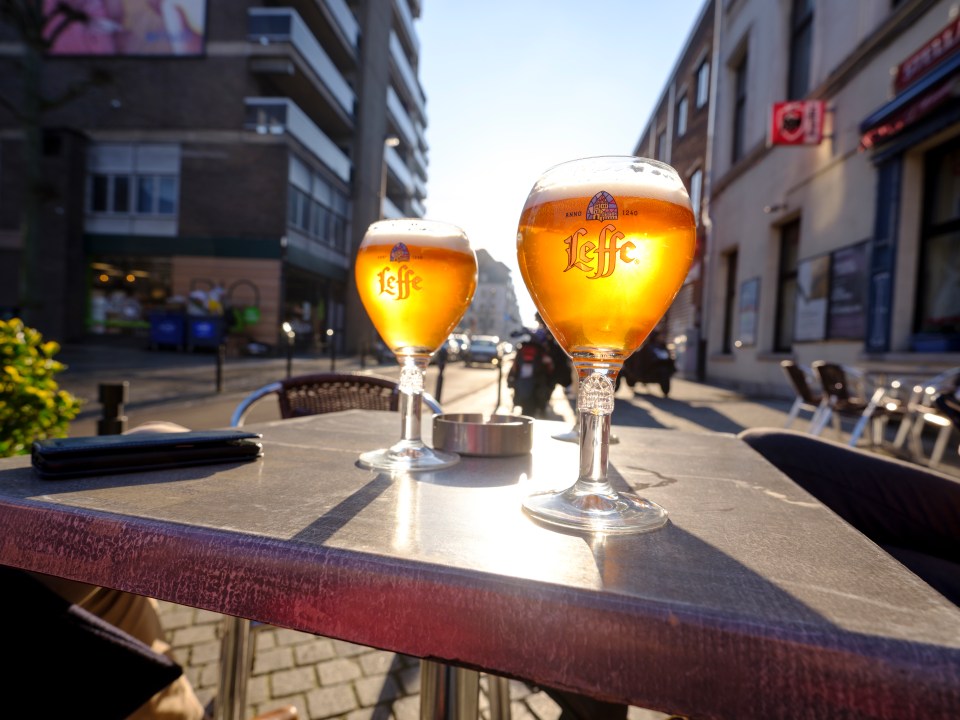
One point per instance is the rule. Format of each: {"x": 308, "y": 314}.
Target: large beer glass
{"x": 416, "y": 278}
{"x": 604, "y": 245}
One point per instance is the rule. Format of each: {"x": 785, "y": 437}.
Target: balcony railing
{"x": 401, "y": 119}
{"x": 406, "y": 24}
{"x": 399, "y": 168}
{"x": 340, "y": 12}
{"x": 276, "y": 116}
{"x": 407, "y": 74}
{"x": 284, "y": 25}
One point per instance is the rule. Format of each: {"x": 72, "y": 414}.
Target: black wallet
{"x": 61, "y": 458}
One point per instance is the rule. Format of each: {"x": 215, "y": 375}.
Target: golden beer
{"x": 415, "y": 282}
{"x": 604, "y": 260}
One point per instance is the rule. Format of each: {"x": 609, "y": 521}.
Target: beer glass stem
{"x": 412, "y": 371}
{"x": 594, "y": 408}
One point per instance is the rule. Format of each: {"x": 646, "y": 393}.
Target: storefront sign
{"x": 937, "y": 49}
{"x": 797, "y": 122}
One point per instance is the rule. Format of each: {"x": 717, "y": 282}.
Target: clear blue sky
{"x": 516, "y": 86}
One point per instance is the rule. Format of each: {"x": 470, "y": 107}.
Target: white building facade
{"x": 847, "y": 250}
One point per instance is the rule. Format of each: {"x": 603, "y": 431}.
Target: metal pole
{"x": 221, "y": 358}
{"x": 441, "y": 366}
{"x": 112, "y": 397}
{"x": 499, "y": 382}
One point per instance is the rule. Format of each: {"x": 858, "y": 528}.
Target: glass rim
{"x": 384, "y": 222}
{"x": 629, "y": 158}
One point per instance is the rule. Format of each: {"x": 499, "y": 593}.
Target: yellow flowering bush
{"x": 32, "y": 406}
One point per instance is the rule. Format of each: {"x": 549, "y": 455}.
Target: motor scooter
{"x": 652, "y": 363}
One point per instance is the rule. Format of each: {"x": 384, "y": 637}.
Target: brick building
{"x": 235, "y": 161}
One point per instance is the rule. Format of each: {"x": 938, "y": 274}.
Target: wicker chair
{"x": 303, "y": 395}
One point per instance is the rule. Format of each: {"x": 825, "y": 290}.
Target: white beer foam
{"x": 429, "y": 233}
{"x": 639, "y": 178}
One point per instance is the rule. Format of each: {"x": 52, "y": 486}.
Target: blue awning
{"x": 913, "y": 96}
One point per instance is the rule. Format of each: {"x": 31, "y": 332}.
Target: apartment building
{"x": 831, "y": 203}
{"x": 230, "y": 157}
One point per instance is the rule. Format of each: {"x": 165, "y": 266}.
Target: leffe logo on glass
{"x": 401, "y": 282}
{"x": 599, "y": 257}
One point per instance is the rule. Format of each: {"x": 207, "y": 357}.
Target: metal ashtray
{"x": 474, "y": 434}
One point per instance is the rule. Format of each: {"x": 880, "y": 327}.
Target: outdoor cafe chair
{"x": 843, "y": 389}
{"x": 921, "y": 410}
{"x": 319, "y": 393}
{"x": 807, "y": 398}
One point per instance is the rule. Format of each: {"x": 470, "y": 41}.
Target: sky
{"x": 517, "y": 86}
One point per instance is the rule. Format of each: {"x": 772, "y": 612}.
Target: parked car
{"x": 483, "y": 349}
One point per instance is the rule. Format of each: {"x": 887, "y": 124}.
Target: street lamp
{"x": 391, "y": 141}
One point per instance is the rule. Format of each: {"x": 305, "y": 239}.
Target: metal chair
{"x": 320, "y": 393}
{"x": 806, "y": 397}
{"x": 921, "y": 410}
{"x": 843, "y": 390}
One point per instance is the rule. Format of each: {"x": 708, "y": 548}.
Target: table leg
{"x": 234, "y": 667}
{"x": 448, "y": 692}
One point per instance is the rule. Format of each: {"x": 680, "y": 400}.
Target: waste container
{"x": 167, "y": 329}
{"x": 204, "y": 331}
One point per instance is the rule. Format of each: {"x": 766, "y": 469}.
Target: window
{"x": 938, "y": 282}
{"x": 729, "y": 304}
{"x": 662, "y": 146}
{"x": 801, "y": 42}
{"x": 703, "y": 83}
{"x": 696, "y": 191}
{"x": 682, "y": 116}
{"x": 109, "y": 194}
{"x": 739, "y": 109}
{"x": 787, "y": 287}
{"x": 321, "y": 214}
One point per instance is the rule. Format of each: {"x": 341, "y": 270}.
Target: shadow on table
{"x": 627, "y": 413}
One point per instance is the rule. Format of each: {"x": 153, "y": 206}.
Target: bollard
{"x": 112, "y": 397}
{"x": 221, "y": 358}
{"x": 291, "y": 336}
{"x": 499, "y": 362}
{"x": 441, "y": 366}
{"x": 333, "y": 350}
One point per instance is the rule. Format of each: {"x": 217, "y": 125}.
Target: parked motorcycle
{"x": 652, "y": 363}
{"x": 531, "y": 376}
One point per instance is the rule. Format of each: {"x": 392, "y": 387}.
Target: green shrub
{"x": 32, "y": 407}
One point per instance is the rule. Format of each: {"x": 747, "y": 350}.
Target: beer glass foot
{"x": 610, "y": 513}
{"x": 408, "y": 457}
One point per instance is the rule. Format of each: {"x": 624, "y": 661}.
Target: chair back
{"x": 798, "y": 380}
{"x": 833, "y": 378}
{"x": 320, "y": 393}
{"x": 332, "y": 392}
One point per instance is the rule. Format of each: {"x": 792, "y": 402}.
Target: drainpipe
{"x": 709, "y": 257}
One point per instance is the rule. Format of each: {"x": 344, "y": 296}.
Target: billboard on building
{"x": 125, "y": 27}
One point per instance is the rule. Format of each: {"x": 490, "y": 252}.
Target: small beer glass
{"x": 415, "y": 278}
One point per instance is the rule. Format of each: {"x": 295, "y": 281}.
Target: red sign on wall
{"x": 797, "y": 122}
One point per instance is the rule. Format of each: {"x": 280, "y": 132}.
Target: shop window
{"x": 787, "y": 287}
{"x": 938, "y": 284}
{"x": 801, "y": 44}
